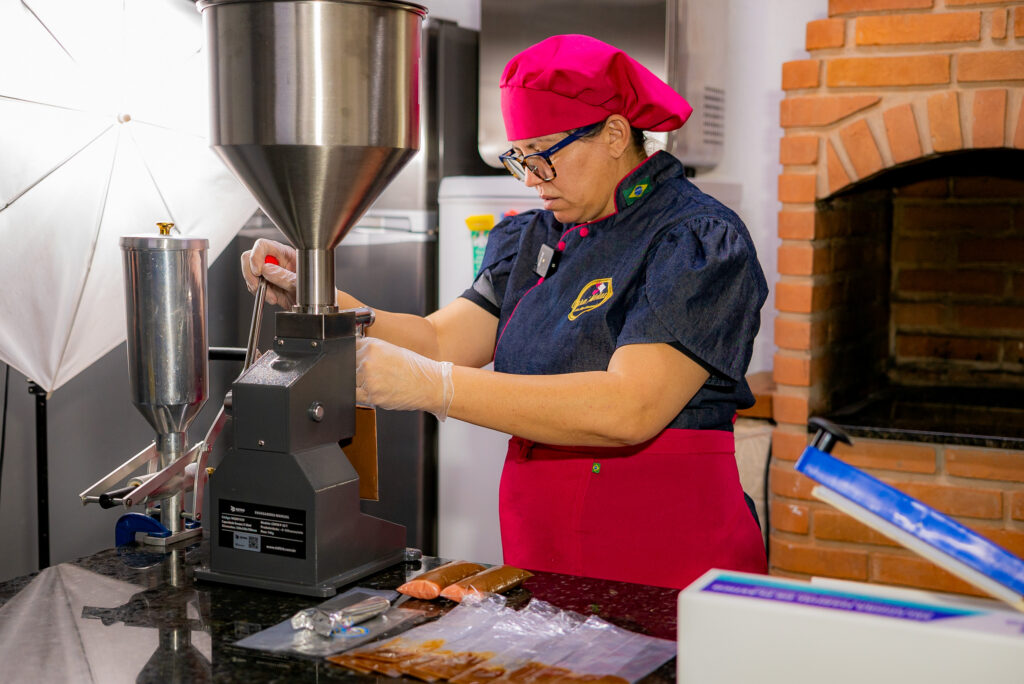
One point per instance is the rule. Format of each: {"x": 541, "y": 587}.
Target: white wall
{"x": 762, "y": 35}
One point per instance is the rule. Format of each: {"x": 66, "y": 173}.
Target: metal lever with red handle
{"x": 257, "y": 316}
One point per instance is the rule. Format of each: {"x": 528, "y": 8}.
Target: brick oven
{"x": 900, "y": 300}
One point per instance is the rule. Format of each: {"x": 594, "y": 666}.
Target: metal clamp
{"x": 187, "y": 472}
{"x": 147, "y": 456}
{"x": 364, "y": 318}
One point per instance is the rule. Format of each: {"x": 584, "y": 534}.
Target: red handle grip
{"x": 271, "y": 259}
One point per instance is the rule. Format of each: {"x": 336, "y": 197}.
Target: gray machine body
{"x": 284, "y": 508}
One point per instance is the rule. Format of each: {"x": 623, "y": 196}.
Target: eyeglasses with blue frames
{"x": 539, "y": 163}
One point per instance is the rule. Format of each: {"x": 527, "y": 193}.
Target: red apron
{"x": 658, "y": 513}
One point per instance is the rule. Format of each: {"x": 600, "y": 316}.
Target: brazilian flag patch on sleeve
{"x": 634, "y": 192}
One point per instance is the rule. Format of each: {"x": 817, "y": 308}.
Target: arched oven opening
{"x": 928, "y": 259}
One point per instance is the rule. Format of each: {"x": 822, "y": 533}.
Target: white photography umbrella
{"x": 103, "y": 133}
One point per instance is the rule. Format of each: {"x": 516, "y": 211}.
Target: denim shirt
{"x": 672, "y": 265}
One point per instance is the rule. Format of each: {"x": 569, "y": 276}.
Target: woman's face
{"x": 585, "y": 177}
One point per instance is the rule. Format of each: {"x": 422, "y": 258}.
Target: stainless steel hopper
{"x": 314, "y": 106}
{"x": 165, "y": 302}
{"x": 165, "y": 298}
{"x": 315, "y": 109}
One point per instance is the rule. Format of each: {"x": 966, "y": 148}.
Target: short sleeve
{"x": 503, "y": 241}
{"x": 702, "y": 292}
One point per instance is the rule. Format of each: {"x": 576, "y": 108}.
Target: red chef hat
{"x": 569, "y": 81}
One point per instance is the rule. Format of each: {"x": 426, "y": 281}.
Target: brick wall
{"x": 957, "y": 267}
{"x": 865, "y": 270}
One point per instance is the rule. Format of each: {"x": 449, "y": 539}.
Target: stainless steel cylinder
{"x": 314, "y": 106}
{"x": 314, "y": 282}
{"x": 165, "y": 302}
{"x": 170, "y": 447}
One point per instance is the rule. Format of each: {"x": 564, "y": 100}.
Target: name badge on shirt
{"x": 547, "y": 261}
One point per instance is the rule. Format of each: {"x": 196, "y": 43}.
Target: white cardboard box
{"x": 739, "y": 627}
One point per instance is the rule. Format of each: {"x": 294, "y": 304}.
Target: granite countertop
{"x": 168, "y": 627}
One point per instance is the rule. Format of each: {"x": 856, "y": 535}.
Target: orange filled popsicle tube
{"x": 493, "y": 580}
{"x": 430, "y": 584}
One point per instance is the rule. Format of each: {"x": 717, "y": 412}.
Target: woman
{"x": 620, "y": 320}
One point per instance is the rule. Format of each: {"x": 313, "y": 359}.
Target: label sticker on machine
{"x": 262, "y": 529}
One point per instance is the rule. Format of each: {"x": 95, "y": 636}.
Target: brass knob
{"x": 165, "y": 228}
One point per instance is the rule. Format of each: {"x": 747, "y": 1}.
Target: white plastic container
{"x": 738, "y": 627}
{"x": 459, "y": 198}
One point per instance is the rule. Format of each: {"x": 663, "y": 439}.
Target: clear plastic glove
{"x": 280, "y": 279}
{"x": 392, "y": 377}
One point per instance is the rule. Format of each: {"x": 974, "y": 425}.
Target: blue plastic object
{"x": 906, "y": 513}
{"x": 130, "y": 523}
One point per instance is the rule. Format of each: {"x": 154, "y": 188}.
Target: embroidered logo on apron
{"x": 594, "y": 294}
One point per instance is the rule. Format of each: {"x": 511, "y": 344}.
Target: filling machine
{"x": 314, "y": 107}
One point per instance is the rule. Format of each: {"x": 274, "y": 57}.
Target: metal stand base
{"x": 323, "y": 589}
{"x": 173, "y": 539}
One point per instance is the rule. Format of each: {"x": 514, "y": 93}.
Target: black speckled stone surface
{"x": 992, "y": 418}
{"x": 170, "y": 602}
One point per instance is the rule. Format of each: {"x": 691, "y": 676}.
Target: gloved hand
{"x": 280, "y": 279}
{"x": 392, "y": 377}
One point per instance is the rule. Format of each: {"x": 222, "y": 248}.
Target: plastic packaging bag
{"x": 597, "y": 652}
{"x": 517, "y": 639}
{"x": 480, "y": 651}
{"x": 482, "y": 641}
{"x": 541, "y": 661}
{"x": 285, "y": 636}
{"x": 430, "y": 651}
